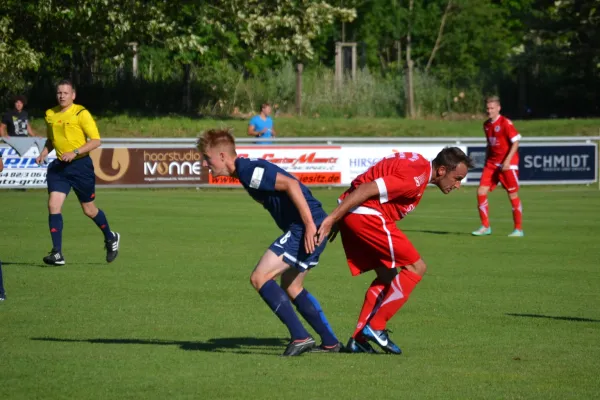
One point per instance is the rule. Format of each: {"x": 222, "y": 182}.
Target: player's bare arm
{"x": 1, "y": 164}
{"x": 3, "y": 130}
{"x": 292, "y": 188}
{"x": 513, "y": 150}
{"x": 251, "y": 131}
{"x": 86, "y": 148}
{"x": 30, "y": 130}
{"x": 354, "y": 199}
{"x": 48, "y": 147}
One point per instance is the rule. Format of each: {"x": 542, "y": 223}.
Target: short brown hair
{"x": 67, "y": 82}
{"x": 264, "y": 105}
{"x": 215, "y": 138}
{"x": 492, "y": 99}
{"x": 451, "y": 157}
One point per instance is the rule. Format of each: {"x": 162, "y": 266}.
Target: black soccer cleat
{"x": 356, "y": 346}
{"x": 112, "y": 247}
{"x": 297, "y": 347}
{"x": 54, "y": 258}
{"x": 336, "y": 348}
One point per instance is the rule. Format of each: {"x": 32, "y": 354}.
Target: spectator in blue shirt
{"x": 261, "y": 125}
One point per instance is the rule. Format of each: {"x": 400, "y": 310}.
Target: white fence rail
{"x": 352, "y": 140}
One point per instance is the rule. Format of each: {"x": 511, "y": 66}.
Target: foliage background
{"x": 225, "y": 58}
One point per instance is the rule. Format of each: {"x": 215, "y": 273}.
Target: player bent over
{"x": 297, "y": 213}
{"x": 366, "y": 219}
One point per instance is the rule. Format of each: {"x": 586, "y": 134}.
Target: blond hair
{"x": 216, "y": 138}
{"x": 492, "y": 99}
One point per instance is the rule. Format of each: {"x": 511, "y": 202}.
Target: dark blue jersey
{"x": 258, "y": 178}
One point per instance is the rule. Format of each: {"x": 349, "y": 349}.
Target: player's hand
{"x": 310, "y": 235}
{"x": 325, "y": 231}
{"x": 506, "y": 166}
{"x": 334, "y": 231}
{"x": 68, "y": 156}
{"x": 40, "y": 159}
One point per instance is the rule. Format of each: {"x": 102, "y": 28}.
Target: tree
{"x": 16, "y": 57}
{"x": 285, "y": 28}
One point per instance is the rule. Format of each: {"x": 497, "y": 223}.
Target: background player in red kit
{"x": 367, "y": 216}
{"x": 501, "y": 165}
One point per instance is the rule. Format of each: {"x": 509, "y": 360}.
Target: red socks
{"x": 517, "y": 210}
{"x": 401, "y": 287}
{"x": 373, "y": 299}
{"x": 482, "y": 203}
{"x": 383, "y": 301}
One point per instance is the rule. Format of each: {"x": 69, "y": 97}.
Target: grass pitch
{"x": 175, "y": 316}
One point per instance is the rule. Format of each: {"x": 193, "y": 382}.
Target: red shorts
{"x": 492, "y": 175}
{"x": 371, "y": 242}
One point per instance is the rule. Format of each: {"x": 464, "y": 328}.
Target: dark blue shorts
{"x": 291, "y": 246}
{"x": 77, "y": 174}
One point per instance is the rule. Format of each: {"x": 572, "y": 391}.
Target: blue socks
{"x": 100, "y": 220}
{"x": 55, "y": 223}
{"x": 279, "y": 302}
{"x": 2, "y": 293}
{"x": 311, "y": 310}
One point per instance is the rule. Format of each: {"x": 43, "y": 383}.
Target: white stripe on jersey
{"x": 389, "y": 235}
{"x": 383, "y": 193}
{"x": 257, "y": 176}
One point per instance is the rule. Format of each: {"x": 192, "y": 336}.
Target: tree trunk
{"x": 439, "y": 36}
{"x": 398, "y": 54}
{"x": 299, "y": 68}
{"x": 187, "y": 90}
{"x": 409, "y": 63}
{"x": 134, "y": 60}
{"x": 522, "y": 99}
{"x": 383, "y": 64}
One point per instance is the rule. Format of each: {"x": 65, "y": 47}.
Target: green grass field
{"x": 175, "y": 316}
{"x": 174, "y": 126}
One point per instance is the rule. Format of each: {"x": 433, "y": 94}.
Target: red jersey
{"x": 500, "y": 135}
{"x": 401, "y": 179}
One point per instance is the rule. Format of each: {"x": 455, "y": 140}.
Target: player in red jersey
{"x": 501, "y": 165}
{"x": 366, "y": 219}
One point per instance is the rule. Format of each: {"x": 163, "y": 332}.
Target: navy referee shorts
{"x": 77, "y": 174}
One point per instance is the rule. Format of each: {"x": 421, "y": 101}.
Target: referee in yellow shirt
{"x": 72, "y": 132}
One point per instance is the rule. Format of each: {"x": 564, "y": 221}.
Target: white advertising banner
{"x": 22, "y": 172}
{"x": 312, "y": 165}
{"x": 358, "y": 158}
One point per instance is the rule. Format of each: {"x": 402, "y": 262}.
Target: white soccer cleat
{"x": 516, "y": 233}
{"x": 482, "y": 231}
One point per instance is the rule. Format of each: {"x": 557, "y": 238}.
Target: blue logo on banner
{"x": 547, "y": 163}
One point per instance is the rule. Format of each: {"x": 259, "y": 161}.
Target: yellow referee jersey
{"x": 69, "y": 130}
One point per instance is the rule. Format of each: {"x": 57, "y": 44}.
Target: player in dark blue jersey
{"x": 297, "y": 213}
